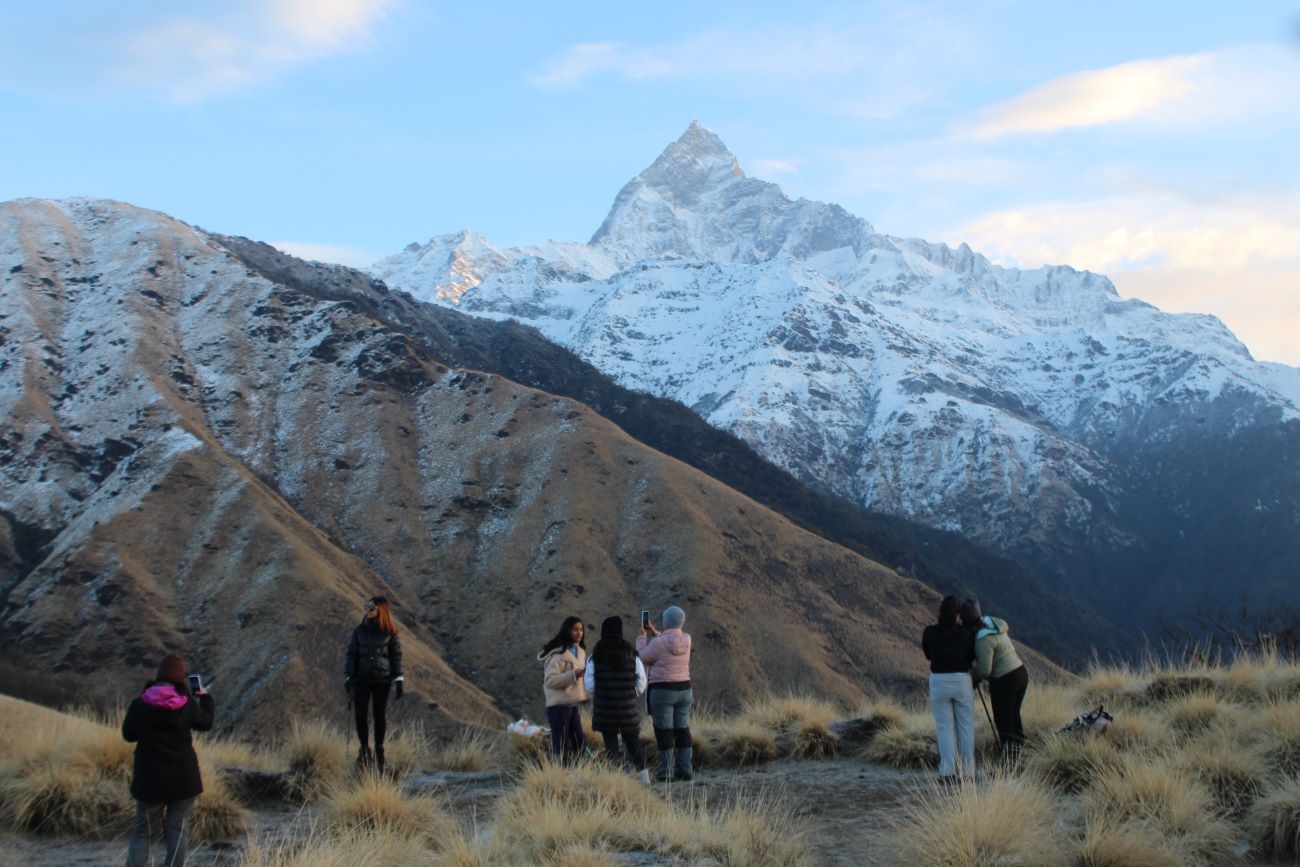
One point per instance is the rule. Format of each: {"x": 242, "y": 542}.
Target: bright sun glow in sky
{"x": 1154, "y": 142}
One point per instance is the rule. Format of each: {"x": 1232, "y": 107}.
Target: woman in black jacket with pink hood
{"x": 166, "y": 778}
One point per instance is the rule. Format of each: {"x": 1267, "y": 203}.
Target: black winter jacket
{"x": 372, "y": 656}
{"x": 166, "y": 768}
{"x": 950, "y": 649}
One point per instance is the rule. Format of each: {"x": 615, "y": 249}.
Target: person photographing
{"x": 997, "y": 662}
{"x": 165, "y": 777}
{"x": 668, "y": 655}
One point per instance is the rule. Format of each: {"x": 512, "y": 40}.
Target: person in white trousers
{"x": 950, "y": 647}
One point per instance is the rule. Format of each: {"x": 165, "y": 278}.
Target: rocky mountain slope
{"x": 1137, "y": 458}
{"x": 195, "y": 454}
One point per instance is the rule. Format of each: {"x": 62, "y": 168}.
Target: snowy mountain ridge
{"x": 911, "y": 377}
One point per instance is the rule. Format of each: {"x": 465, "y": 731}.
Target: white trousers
{"x": 953, "y": 704}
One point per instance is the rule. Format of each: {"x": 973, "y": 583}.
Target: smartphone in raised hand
{"x": 645, "y": 618}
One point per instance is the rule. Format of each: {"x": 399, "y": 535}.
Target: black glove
{"x": 399, "y": 691}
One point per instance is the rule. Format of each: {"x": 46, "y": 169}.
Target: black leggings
{"x": 371, "y": 693}
{"x": 1008, "y": 693}
{"x": 631, "y": 739}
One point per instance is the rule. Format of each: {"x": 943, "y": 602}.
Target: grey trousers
{"x": 953, "y": 704}
{"x": 149, "y": 818}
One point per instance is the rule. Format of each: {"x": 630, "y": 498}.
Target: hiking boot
{"x": 665, "y": 766}
{"x": 685, "y": 771}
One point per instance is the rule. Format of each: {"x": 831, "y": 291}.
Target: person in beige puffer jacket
{"x": 997, "y": 662}
{"x": 564, "y": 661}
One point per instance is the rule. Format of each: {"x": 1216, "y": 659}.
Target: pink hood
{"x": 165, "y": 696}
{"x": 668, "y": 656}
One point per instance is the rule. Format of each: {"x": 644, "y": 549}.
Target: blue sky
{"x": 1155, "y": 142}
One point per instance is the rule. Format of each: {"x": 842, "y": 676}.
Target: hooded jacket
{"x": 560, "y": 678}
{"x": 995, "y": 655}
{"x": 668, "y": 654}
{"x": 159, "y": 722}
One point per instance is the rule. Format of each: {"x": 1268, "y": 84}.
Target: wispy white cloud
{"x": 196, "y": 56}
{"x": 338, "y": 254}
{"x": 857, "y": 72}
{"x": 187, "y": 54}
{"x": 1236, "y": 258}
{"x": 1186, "y": 89}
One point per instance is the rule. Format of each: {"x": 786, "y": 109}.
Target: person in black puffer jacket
{"x": 373, "y": 665}
{"x": 615, "y": 678}
{"x": 165, "y": 780}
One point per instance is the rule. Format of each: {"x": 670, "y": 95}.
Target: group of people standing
{"x": 614, "y": 677}
{"x": 966, "y": 648}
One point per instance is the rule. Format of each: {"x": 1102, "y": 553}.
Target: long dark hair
{"x": 614, "y": 654}
{"x": 563, "y": 639}
{"x": 948, "y": 610}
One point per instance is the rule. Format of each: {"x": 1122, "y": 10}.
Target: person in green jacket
{"x": 997, "y": 662}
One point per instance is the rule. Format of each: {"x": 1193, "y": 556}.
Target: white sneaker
{"x": 644, "y": 776}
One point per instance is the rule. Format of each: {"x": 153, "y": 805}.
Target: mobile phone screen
{"x": 196, "y": 682}
{"x": 645, "y": 618}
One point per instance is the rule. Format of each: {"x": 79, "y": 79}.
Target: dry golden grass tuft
{"x": 524, "y": 751}
{"x": 744, "y": 743}
{"x": 408, "y": 750}
{"x": 1233, "y": 773}
{"x": 61, "y": 799}
{"x": 470, "y": 750}
{"x": 1107, "y": 844}
{"x": 1139, "y": 731}
{"x": 1116, "y": 686}
{"x": 359, "y": 849}
{"x": 1046, "y": 709}
{"x": 1273, "y": 821}
{"x": 217, "y": 814}
{"x": 1194, "y": 713}
{"x": 552, "y": 809}
{"x": 1278, "y": 732}
{"x": 910, "y": 746}
{"x": 317, "y": 757}
{"x": 1147, "y": 793}
{"x": 1002, "y": 821}
{"x": 1069, "y": 762}
{"x": 378, "y": 803}
{"x": 64, "y": 774}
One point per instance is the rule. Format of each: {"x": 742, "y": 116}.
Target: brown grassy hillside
{"x": 198, "y": 458}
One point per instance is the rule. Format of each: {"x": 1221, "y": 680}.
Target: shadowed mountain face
{"x": 198, "y": 456}
{"x": 1107, "y": 445}
{"x": 944, "y": 560}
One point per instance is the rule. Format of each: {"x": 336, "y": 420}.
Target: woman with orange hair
{"x": 372, "y": 666}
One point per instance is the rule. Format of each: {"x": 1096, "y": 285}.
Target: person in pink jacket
{"x": 668, "y": 657}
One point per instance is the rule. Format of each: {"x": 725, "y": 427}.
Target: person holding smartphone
{"x": 165, "y": 779}
{"x": 372, "y": 667}
{"x": 668, "y": 654}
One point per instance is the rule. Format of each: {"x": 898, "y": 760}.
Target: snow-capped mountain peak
{"x": 695, "y": 202}
{"x": 1013, "y": 406}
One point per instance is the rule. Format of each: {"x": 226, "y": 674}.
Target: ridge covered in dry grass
{"x": 1201, "y": 767}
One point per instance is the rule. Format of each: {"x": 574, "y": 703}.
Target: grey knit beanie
{"x": 674, "y": 617}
